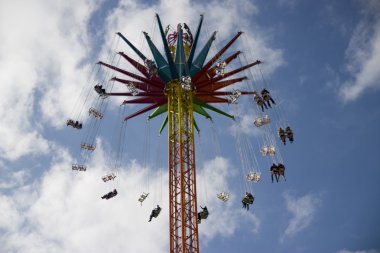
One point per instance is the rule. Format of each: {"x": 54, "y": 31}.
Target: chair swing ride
{"x": 177, "y": 83}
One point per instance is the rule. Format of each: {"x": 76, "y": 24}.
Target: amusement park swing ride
{"x": 177, "y": 83}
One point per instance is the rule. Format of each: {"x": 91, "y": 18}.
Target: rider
{"x": 203, "y": 214}
{"x": 289, "y": 134}
{"x": 247, "y": 200}
{"x": 274, "y": 171}
{"x": 259, "y": 101}
{"x": 267, "y": 97}
{"x": 281, "y": 170}
{"x": 282, "y": 135}
{"x": 155, "y": 212}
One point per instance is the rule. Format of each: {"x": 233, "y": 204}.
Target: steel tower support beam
{"x": 182, "y": 181}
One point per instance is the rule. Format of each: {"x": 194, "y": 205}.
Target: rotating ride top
{"x": 177, "y": 82}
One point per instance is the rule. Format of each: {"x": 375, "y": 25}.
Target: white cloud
{"x": 358, "y": 251}
{"x": 225, "y": 218}
{"x": 14, "y": 179}
{"x": 363, "y": 54}
{"x": 303, "y": 210}
{"x": 43, "y": 44}
{"x": 63, "y": 211}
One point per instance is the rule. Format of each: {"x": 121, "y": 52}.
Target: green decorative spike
{"x": 160, "y": 110}
{"x": 198, "y": 109}
{"x": 164, "y": 123}
{"x": 196, "y": 126}
{"x": 212, "y": 108}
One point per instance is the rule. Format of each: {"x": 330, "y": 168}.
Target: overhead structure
{"x": 177, "y": 82}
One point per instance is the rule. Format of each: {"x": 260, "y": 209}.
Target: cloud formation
{"x": 303, "y": 210}
{"x": 43, "y": 44}
{"x": 358, "y": 251}
{"x": 63, "y": 211}
{"x": 363, "y": 54}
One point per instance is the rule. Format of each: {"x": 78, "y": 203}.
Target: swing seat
{"x": 262, "y": 121}
{"x": 219, "y": 70}
{"x": 78, "y": 167}
{"x": 186, "y": 82}
{"x": 87, "y": 146}
{"x": 75, "y": 124}
{"x": 236, "y": 93}
{"x": 268, "y": 150}
{"x": 254, "y": 177}
{"x": 108, "y": 177}
{"x": 232, "y": 99}
{"x": 142, "y": 197}
{"x": 132, "y": 89}
{"x": 224, "y": 196}
{"x": 94, "y": 112}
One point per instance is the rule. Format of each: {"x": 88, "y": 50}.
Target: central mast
{"x": 182, "y": 182}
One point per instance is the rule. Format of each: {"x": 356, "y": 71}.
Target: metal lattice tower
{"x": 182, "y": 182}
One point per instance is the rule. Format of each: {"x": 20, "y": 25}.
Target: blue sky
{"x": 321, "y": 63}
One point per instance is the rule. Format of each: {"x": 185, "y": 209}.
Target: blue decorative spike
{"x": 194, "y": 46}
{"x": 132, "y": 46}
{"x": 162, "y": 65}
{"x": 199, "y": 61}
{"x": 173, "y": 70}
{"x": 180, "y": 58}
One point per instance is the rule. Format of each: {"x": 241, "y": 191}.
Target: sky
{"x": 321, "y": 63}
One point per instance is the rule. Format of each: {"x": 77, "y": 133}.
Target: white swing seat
{"x": 87, "y": 146}
{"x": 94, "y": 112}
{"x": 232, "y": 99}
{"x": 219, "y": 70}
{"x": 108, "y": 177}
{"x": 262, "y": 121}
{"x": 254, "y": 177}
{"x": 268, "y": 150}
{"x": 186, "y": 82}
{"x": 224, "y": 196}
{"x": 78, "y": 167}
{"x": 132, "y": 89}
{"x": 142, "y": 197}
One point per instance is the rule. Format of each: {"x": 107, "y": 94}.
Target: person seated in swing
{"x": 281, "y": 171}
{"x": 155, "y": 212}
{"x": 99, "y": 89}
{"x": 274, "y": 171}
{"x": 260, "y": 102}
{"x": 203, "y": 214}
{"x": 282, "y": 135}
{"x": 109, "y": 195}
{"x": 75, "y": 124}
{"x": 267, "y": 97}
{"x": 289, "y": 134}
{"x": 247, "y": 200}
